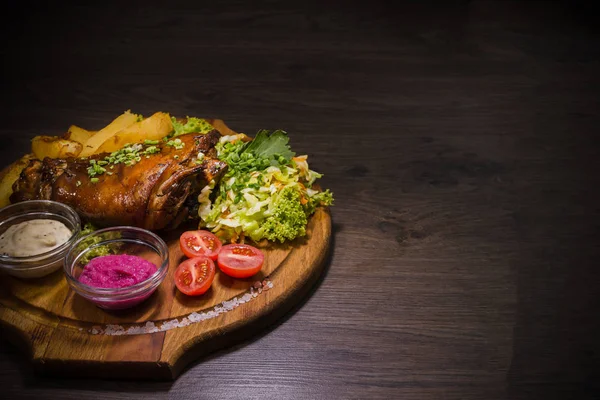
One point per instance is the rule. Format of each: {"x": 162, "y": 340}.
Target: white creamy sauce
{"x": 33, "y": 237}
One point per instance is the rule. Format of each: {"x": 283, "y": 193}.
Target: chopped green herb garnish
{"x": 176, "y": 143}
{"x": 151, "y": 150}
{"x": 129, "y": 154}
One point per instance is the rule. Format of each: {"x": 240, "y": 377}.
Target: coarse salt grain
{"x": 169, "y": 325}
{"x": 194, "y": 317}
{"x": 134, "y": 330}
{"x": 246, "y": 297}
{"x": 114, "y": 330}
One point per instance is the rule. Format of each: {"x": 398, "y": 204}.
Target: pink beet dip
{"x": 116, "y": 271}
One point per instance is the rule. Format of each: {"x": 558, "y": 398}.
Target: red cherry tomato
{"x": 240, "y": 260}
{"x": 200, "y": 243}
{"x": 195, "y": 275}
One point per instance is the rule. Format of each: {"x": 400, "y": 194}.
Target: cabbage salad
{"x": 266, "y": 193}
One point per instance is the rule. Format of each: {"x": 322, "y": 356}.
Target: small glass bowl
{"x": 120, "y": 240}
{"x": 45, "y": 263}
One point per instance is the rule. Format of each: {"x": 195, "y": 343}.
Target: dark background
{"x": 459, "y": 139}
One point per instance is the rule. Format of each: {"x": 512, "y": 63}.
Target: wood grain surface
{"x": 458, "y": 137}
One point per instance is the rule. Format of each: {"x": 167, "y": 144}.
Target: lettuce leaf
{"x": 192, "y": 125}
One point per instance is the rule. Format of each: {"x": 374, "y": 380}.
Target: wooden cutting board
{"x": 66, "y": 335}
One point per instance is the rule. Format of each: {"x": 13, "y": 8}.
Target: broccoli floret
{"x": 288, "y": 220}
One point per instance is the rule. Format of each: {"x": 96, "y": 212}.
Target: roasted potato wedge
{"x": 78, "y": 134}
{"x": 154, "y": 127}
{"x": 54, "y": 147}
{"x": 9, "y": 175}
{"x": 121, "y": 122}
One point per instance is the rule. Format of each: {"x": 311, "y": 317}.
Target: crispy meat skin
{"x": 150, "y": 194}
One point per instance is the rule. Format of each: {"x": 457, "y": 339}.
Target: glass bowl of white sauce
{"x": 35, "y": 235}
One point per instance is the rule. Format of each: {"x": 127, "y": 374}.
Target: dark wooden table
{"x": 459, "y": 138}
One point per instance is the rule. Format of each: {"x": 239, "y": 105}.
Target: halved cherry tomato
{"x": 200, "y": 243}
{"x": 195, "y": 275}
{"x": 240, "y": 260}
